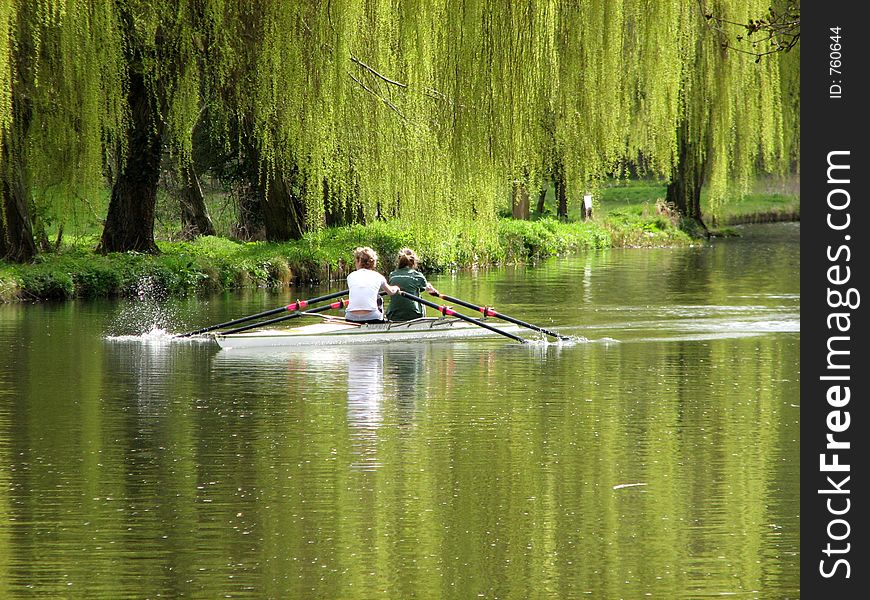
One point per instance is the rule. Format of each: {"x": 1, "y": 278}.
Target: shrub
{"x": 47, "y": 282}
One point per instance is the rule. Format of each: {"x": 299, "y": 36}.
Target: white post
{"x": 587, "y": 206}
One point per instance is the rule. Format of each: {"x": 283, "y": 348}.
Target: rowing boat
{"x": 339, "y": 331}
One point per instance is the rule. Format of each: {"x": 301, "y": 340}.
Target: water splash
{"x": 571, "y": 340}
{"x": 155, "y": 336}
{"x": 148, "y": 288}
{"x": 149, "y": 317}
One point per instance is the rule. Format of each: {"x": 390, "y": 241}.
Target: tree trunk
{"x": 195, "y": 220}
{"x": 520, "y": 204}
{"x": 130, "y": 221}
{"x": 542, "y": 197}
{"x": 270, "y": 209}
{"x": 18, "y": 244}
{"x": 4, "y": 245}
{"x": 283, "y": 213}
{"x": 684, "y": 190}
{"x": 561, "y": 190}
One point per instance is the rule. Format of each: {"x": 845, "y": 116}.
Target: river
{"x": 656, "y": 454}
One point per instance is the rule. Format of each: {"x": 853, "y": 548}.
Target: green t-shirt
{"x": 413, "y": 282}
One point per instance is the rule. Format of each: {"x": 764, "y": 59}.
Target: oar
{"x": 295, "y": 315}
{"x": 489, "y": 312}
{"x": 299, "y": 304}
{"x": 446, "y": 310}
{"x": 335, "y": 305}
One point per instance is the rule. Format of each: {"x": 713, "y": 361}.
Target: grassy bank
{"x": 213, "y": 263}
{"x": 772, "y": 200}
{"x": 627, "y": 214}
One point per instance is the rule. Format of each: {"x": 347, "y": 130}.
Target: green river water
{"x": 656, "y": 455}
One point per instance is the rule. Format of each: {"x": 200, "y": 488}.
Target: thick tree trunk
{"x": 684, "y": 190}
{"x": 283, "y": 213}
{"x": 18, "y": 244}
{"x": 195, "y": 220}
{"x": 130, "y": 221}
{"x": 270, "y": 209}
{"x": 520, "y": 204}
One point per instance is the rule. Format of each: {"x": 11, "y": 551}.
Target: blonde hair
{"x": 406, "y": 258}
{"x": 365, "y": 257}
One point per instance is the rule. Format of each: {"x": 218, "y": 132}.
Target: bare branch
{"x": 376, "y": 73}
{"x": 379, "y": 97}
{"x": 782, "y": 29}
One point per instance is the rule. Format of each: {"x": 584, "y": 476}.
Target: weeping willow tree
{"x": 731, "y": 125}
{"x": 357, "y": 110}
{"x": 429, "y": 111}
{"x": 61, "y": 73}
{"x": 19, "y": 246}
{"x": 342, "y": 113}
{"x": 163, "y": 99}
{"x": 6, "y": 57}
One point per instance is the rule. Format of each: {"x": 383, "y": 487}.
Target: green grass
{"x": 759, "y": 208}
{"x": 639, "y": 198}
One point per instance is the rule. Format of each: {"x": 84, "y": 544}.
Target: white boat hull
{"x": 340, "y": 332}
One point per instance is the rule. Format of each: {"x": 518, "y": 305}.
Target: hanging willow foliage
{"x": 424, "y": 111}
{"x": 76, "y": 98}
{"x": 733, "y": 104}
{"x": 6, "y": 57}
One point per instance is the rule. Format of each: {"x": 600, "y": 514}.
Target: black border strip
{"x": 834, "y": 234}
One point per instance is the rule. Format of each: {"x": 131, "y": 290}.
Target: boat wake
{"x": 157, "y": 336}
{"x": 573, "y": 340}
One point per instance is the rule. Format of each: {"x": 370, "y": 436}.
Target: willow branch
{"x": 430, "y": 92}
{"x": 783, "y": 31}
{"x": 379, "y": 97}
{"x": 376, "y": 73}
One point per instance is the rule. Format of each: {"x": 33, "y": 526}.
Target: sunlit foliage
{"x": 395, "y": 108}
{"x": 733, "y": 104}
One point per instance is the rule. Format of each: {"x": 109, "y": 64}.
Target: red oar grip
{"x": 298, "y": 305}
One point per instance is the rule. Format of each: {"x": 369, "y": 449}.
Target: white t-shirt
{"x": 363, "y": 286}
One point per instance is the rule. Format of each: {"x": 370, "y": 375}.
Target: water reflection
{"x": 420, "y": 470}
{"x": 365, "y": 393}
{"x": 375, "y": 379}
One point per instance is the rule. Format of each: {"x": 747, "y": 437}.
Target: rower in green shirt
{"x": 410, "y": 280}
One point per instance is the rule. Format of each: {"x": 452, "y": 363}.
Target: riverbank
{"x": 773, "y": 199}
{"x": 214, "y": 263}
{"x": 627, "y": 214}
